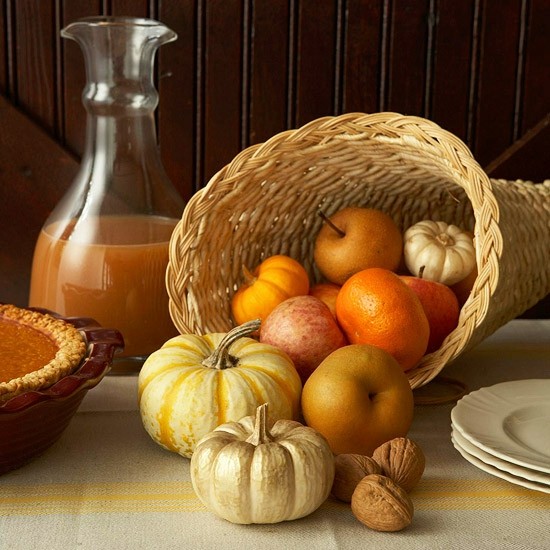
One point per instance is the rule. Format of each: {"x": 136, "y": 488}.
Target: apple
{"x": 356, "y": 238}
{"x": 326, "y": 292}
{"x": 358, "y": 398}
{"x": 440, "y": 306}
{"x": 304, "y": 328}
{"x": 463, "y": 288}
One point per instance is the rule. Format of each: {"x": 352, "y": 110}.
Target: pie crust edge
{"x": 71, "y": 344}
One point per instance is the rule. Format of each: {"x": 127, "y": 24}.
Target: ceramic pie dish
{"x": 62, "y": 360}
{"x": 36, "y": 350}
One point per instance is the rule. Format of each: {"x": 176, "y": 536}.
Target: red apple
{"x": 440, "y": 306}
{"x": 305, "y": 329}
{"x": 326, "y": 292}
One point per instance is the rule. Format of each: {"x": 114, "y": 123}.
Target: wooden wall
{"x": 243, "y": 70}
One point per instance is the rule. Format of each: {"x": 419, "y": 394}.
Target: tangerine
{"x": 376, "y": 307}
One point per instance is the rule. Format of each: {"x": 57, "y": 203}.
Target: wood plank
{"x": 536, "y": 83}
{"x": 4, "y": 42}
{"x": 451, "y": 76}
{"x": 35, "y": 32}
{"x": 496, "y": 95}
{"x": 526, "y": 158}
{"x": 34, "y": 173}
{"x": 405, "y": 83}
{"x": 74, "y": 76}
{"x": 315, "y": 59}
{"x": 134, "y": 8}
{"x": 177, "y": 103}
{"x": 221, "y": 66}
{"x": 269, "y": 70}
{"x": 362, "y": 51}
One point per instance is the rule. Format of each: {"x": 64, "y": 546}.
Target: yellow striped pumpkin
{"x": 193, "y": 383}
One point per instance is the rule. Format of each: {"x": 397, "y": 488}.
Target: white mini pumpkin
{"x": 438, "y": 251}
{"x": 194, "y": 383}
{"x": 247, "y": 473}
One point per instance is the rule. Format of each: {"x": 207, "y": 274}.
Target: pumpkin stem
{"x": 421, "y": 271}
{"x": 248, "y": 276}
{"x": 221, "y": 358}
{"x": 445, "y": 239}
{"x": 261, "y": 432}
{"x": 331, "y": 224}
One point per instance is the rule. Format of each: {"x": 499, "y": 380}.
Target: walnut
{"x": 402, "y": 460}
{"x": 350, "y": 469}
{"x": 381, "y": 504}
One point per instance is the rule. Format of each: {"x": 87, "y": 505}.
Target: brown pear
{"x": 357, "y": 238}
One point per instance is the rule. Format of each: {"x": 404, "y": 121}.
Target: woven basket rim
{"x": 411, "y": 130}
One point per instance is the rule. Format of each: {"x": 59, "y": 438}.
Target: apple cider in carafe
{"x": 110, "y": 268}
{"x": 103, "y": 251}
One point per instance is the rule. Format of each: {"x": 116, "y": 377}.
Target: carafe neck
{"x": 119, "y": 56}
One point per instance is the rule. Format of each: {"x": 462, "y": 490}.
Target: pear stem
{"x": 331, "y": 224}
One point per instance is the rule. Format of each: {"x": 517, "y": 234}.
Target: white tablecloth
{"x": 106, "y": 485}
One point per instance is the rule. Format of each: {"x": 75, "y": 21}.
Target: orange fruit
{"x": 376, "y": 307}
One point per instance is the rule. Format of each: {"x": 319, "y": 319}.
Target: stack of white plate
{"x": 505, "y": 431}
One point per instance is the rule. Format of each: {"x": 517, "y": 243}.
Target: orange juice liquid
{"x": 117, "y": 280}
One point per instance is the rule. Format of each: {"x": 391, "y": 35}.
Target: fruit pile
{"x": 401, "y": 293}
{"x": 333, "y": 354}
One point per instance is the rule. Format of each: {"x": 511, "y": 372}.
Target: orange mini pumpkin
{"x": 276, "y": 279}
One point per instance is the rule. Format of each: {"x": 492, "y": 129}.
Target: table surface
{"x": 105, "y": 484}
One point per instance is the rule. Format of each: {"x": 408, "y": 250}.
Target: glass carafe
{"x": 103, "y": 251}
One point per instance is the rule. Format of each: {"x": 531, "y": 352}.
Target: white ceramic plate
{"x": 514, "y": 469}
{"x": 500, "y": 473}
{"x": 510, "y": 420}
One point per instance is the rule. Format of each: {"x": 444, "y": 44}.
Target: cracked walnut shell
{"x": 381, "y": 504}
{"x": 402, "y": 460}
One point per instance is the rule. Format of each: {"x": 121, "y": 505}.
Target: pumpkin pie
{"x": 36, "y": 350}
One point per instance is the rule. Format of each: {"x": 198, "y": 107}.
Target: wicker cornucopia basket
{"x": 266, "y": 201}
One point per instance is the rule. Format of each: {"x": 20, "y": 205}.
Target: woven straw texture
{"x": 266, "y": 202}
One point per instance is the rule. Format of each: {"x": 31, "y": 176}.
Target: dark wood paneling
{"x": 241, "y": 71}
{"x": 535, "y": 102}
{"x": 177, "y": 108}
{"x": 3, "y": 47}
{"x": 408, "y": 31}
{"x": 314, "y": 92}
{"x": 36, "y": 39}
{"x": 516, "y": 161}
{"x": 269, "y": 82}
{"x": 34, "y": 171}
{"x": 73, "y": 76}
{"x": 221, "y": 84}
{"x": 498, "y": 69}
{"x": 362, "y": 68}
{"x": 136, "y": 8}
{"x": 451, "y": 71}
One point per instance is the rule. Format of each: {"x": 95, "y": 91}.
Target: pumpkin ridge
{"x": 280, "y": 377}
{"x": 168, "y": 405}
{"x": 221, "y": 396}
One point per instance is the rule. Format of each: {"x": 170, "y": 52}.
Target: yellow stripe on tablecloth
{"x": 476, "y": 494}
{"x": 167, "y": 497}
{"x": 78, "y": 498}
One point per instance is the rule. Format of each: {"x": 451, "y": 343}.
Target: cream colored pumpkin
{"x": 438, "y": 251}
{"x": 246, "y": 472}
{"x": 195, "y": 383}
